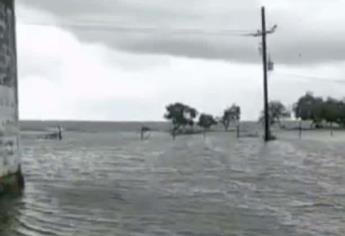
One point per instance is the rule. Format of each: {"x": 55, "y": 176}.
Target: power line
{"x": 147, "y": 30}
{"x": 318, "y": 78}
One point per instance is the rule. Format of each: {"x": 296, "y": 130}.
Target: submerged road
{"x": 114, "y": 184}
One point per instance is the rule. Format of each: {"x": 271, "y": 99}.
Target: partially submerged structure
{"x": 11, "y": 179}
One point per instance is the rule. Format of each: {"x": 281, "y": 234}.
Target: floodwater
{"x": 114, "y": 184}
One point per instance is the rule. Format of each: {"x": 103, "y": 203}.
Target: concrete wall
{"x": 9, "y": 128}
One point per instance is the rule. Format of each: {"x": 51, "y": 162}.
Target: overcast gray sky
{"x": 87, "y": 59}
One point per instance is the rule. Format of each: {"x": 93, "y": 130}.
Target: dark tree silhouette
{"x": 230, "y": 115}
{"x": 181, "y": 116}
{"x": 311, "y": 108}
{"x": 318, "y": 111}
{"x": 206, "y": 121}
{"x": 331, "y": 112}
{"x": 276, "y": 111}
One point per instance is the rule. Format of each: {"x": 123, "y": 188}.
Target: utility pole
{"x": 264, "y": 63}
{"x": 263, "y": 33}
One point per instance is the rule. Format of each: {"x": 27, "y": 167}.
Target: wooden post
{"x": 264, "y": 63}
{"x": 238, "y": 130}
{"x": 300, "y": 129}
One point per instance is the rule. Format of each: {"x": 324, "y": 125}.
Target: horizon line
{"x": 110, "y": 121}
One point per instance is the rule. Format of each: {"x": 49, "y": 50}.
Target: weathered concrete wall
{"x": 9, "y": 125}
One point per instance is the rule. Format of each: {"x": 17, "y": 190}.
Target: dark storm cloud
{"x": 309, "y": 34}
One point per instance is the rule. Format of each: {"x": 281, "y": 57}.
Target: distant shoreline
{"x": 155, "y": 126}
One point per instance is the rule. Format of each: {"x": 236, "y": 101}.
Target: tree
{"x": 311, "y": 108}
{"x": 331, "y": 112}
{"x": 276, "y": 111}
{"x": 206, "y": 121}
{"x": 318, "y": 111}
{"x": 180, "y": 115}
{"x": 341, "y": 113}
{"x": 231, "y": 115}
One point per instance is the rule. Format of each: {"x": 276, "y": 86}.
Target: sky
{"x": 127, "y": 59}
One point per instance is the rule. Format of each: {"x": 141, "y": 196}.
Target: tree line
{"x": 184, "y": 117}
{"x": 318, "y": 110}
{"x": 308, "y": 107}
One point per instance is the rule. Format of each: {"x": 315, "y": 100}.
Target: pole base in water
{"x": 12, "y": 184}
{"x": 270, "y": 137}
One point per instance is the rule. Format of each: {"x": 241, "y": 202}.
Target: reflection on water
{"x": 9, "y": 214}
{"x": 114, "y": 184}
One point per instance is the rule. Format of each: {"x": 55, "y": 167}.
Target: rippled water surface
{"x": 114, "y": 184}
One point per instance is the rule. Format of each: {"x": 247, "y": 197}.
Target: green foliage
{"x": 206, "y": 121}
{"x": 231, "y": 115}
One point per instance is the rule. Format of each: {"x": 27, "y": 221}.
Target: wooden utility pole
{"x": 263, "y": 33}
{"x": 264, "y": 62}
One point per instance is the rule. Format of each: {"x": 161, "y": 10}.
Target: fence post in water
{"x": 59, "y": 133}
{"x": 238, "y": 130}
{"x": 332, "y": 129}
{"x": 173, "y": 133}
{"x": 143, "y": 130}
{"x": 300, "y": 129}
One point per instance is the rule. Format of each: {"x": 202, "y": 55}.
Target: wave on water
{"x": 111, "y": 183}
